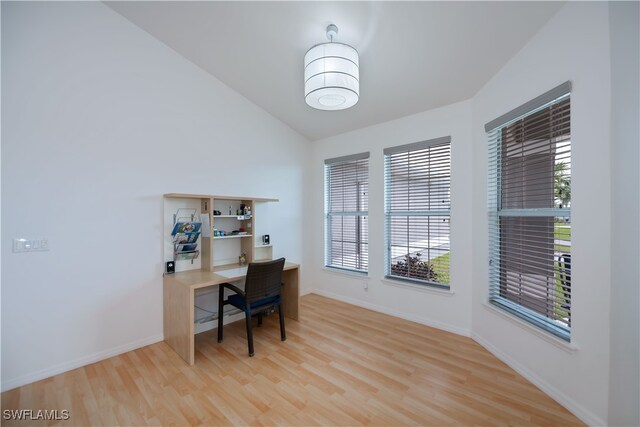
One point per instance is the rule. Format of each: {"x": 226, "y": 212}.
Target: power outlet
{"x": 365, "y": 285}
{"x": 30, "y": 245}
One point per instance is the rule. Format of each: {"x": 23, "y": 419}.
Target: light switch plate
{"x": 30, "y": 245}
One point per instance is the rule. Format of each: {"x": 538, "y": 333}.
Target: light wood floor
{"x": 341, "y": 365}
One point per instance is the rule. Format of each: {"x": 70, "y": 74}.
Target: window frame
{"x": 496, "y": 212}
{"x": 358, "y": 213}
{"x": 389, "y": 213}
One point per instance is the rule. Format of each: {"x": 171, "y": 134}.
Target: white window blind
{"x": 530, "y": 212}
{"x": 346, "y": 212}
{"x": 417, "y": 211}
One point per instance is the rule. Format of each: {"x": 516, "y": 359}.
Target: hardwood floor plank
{"x": 341, "y": 365}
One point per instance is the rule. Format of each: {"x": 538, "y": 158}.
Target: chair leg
{"x": 249, "y": 332}
{"x": 220, "y": 312}
{"x": 259, "y": 319}
{"x": 283, "y": 335}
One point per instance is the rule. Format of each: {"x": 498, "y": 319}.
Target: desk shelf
{"x": 233, "y": 236}
{"x": 214, "y": 252}
{"x": 238, "y": 217}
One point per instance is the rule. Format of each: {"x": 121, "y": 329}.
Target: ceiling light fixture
{"x": 331, "y": 75}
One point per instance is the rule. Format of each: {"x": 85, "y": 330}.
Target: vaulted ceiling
{"x": 414, "y": 56}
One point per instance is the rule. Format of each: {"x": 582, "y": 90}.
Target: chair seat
{"x": 238, "y": 301}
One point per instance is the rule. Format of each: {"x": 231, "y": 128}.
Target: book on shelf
{"x": 182, "y": 256}
{"x": 188, "y": 247}
{"x": 183, "y": 238}
{"x": 186, "y": 227}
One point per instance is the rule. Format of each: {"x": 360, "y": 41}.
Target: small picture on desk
{"x": 186, "y": 227}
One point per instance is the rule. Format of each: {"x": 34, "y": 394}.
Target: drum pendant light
{"x": 331, "y": 75}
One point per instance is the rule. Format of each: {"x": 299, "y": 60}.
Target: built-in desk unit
{"x": 204, "y": 260}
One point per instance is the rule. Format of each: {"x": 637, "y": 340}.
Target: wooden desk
{"x": 179, "y": 291}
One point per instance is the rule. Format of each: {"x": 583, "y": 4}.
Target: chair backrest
{"x": 264, "y": 279}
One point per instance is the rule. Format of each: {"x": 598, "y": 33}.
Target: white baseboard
{"x": 78, "y": 363}
{"x": 571, "y": 405}
{"x": 423, "y": 321}
{"x": 102, "y": 355}
{"x": 304, "y": 292}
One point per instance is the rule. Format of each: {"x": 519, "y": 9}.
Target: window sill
{"x": 546, "y": 336}
{"x": 348, "y": 273}
{"x": 422, "y": 288}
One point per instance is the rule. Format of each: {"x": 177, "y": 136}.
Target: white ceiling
{"x": 414, "y": 56}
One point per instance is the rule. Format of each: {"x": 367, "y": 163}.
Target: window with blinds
{"x": 417, "y": 211}
{"x": 346, "y": 212}
{"x": 530, "y": 211}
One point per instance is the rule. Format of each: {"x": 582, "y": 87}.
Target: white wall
{"x": 596, "y": 376}
{"x": 624, "y": 379}
{"x": 449, "y": 311}
{"x": 99, "y": 120}
{"x": 573, "y": 45}
{"x": 97, "y": 114}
